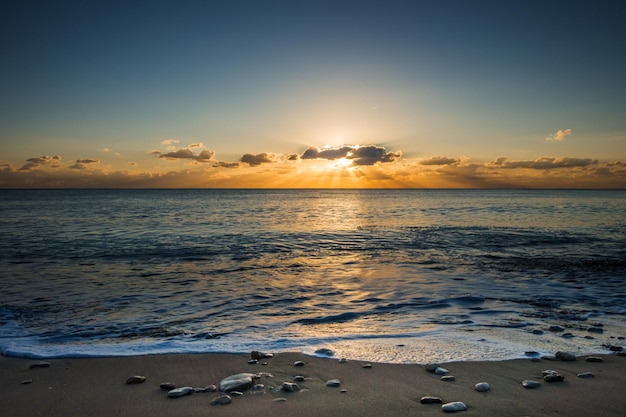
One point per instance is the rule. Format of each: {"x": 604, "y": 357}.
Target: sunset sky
{"x": 313, "y": 94}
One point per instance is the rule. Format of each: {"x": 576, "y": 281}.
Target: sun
{"x": 341, "y": 163}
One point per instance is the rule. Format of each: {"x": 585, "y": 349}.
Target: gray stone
{"x": 221, "y": 400}
{"x": 167, "y": 386}
{"x": 235, "y": 393}
{"x": 298, "y": 363}
{"x": 565, "y": 356}
{"x": 210, "y": 388}
{"x": 594, "y": 329}
{"x": 431, "y": 400}
{"x": 482, "y": 387}
{"x": 448, "y": 378}
{"x": 453, "y": 407}
{"x": 253, "y": 361}
{"x": 333, "y": 383}
{"x": 136, "y": 379}
{"x": 237, "y": 382}
{"x": 431, "y": 367}
{"x": 530, "y": 384}
{"x": 594, "y": 359}
{"x": 554, "y": 377}
{"x": 280, "y": 400}
{"x": 441, "y": 371}
{"x": 258, "y": 387}
{"x": 180, "y": 392}
{"x": 290, "y": 387}
{"x": 367, "y": 366}
{"x": 586, "y": 375}
{"x": 325, "y": 352}
{"x": 298, "y": 378}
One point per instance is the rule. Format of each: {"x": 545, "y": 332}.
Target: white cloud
{"x": 559, "y": 135}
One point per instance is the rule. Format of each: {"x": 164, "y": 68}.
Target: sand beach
{"x": 98, "y": 387}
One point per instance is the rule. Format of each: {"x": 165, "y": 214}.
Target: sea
{"x": 396, "y": 276}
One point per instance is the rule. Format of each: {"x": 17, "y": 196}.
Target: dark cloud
{"x": 258, "y": 159}
{"x": 226, "y": 165}
{"x": 82, "y": 163}
{"x": 42, "y": 161}
{"x": 440, "y": 160}
{"x": 184, "y": 153}
{"x": 6, "y": 168}
{"x": 544, "y": 163}
{"x": 292, "y": 157}
{"x": 360, "y": 155}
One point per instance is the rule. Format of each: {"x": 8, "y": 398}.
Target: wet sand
{"x": 97, "y": 387}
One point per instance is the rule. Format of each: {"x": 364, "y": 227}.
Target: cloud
{"x": 544, "y": 163}
{"x": 184, "y": 153}
{"x": 169, "y": 141}
{"x": 42, "y": 161}
{"x": 196, "y": 145}
{"x": 559, "y": 135}
{"x": 360, "y": 155}
{"x": 83, "y": 163}
{"x": 105, "y": 150}
{"x": 258, "y": 159}
{"x": 226, "y": 164}
{"x": 440, "y": 160}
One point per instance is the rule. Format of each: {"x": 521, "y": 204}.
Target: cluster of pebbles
{"x": 235, "y": 385}
{"x": 548, "y": 375}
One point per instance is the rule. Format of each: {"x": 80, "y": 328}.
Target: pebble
{"x": 367, "y": 366}
{"x": 290, "y": 387}
{"x": 221, "y": 400}
{"x": 441, "y": 371}
{"x": 210, "y": 388}
{"x": 180, "y": 392}
{"x": 567, "y": 335}
{"x": 298, "y": 378}
{"x": 448, "y": 378}
{"x": 258, "y": 387}
{"x": 260, "y": 355}
{"x": 253, "y": 361}
{"x": 343, "y": 360}
{"x": 280, "y": 400}
{"x": 432, "y": 367}
{"x": 343, "y": 391}
{"x": 565, "y": 356}
{"x": 453, "y": 406}
{"x": 482, "y": 387}
{"x": 586, "y": 375}
{"x": 537, "y": 331}
{"x": 298, "y": 363}
{"x": 594, "y": 359}
{"x": 39, "y": 365}
{"x": 325, "y": 352}
{"x": 27, "y": 381}
{"x": 136, "y": 379}
{"x": 620, "y": 353}
{"x": 167, "y": 385}
{"x": 235, "y": 393}
{"x": 333, "y": 383}
{"x": 595, "y": 329}
{"x": 236, "y": 382}
{"x": 614, "y": 348}
{"x": 530, "y": 384}
{"x": 554, "y": 377}
{"x": 431, "y": 400}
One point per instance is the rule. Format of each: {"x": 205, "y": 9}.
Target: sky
{"x": 299, "y": 94}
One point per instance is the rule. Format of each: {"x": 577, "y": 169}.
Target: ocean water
{"x": 406, "y": 276}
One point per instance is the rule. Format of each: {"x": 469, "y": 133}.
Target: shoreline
{"x": 97, "y": 386}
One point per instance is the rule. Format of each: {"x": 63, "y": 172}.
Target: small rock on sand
{"x": 236, "y": 382}
{"x": 136, "y": 379}
{"x": 586, "y": 375}
{"x": 167, "y": 386}
{"x": 432, "y": 367}
{"x": 482, "y": 387}
{"x": 39, "y": 365}
{"x": 290, "y": 387}
{"x": 453, "y": 406}
{"x": 441, "y": 371}
{"x": 594, "y": 359}
{"x": 530, "y": 384}
{"x": 333, "y": 383}
{"x": 298, "y": 363}
{"x": 431, "y": 400}
{"x": 221, "y": 400}
{"x": 180, "y": 392}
